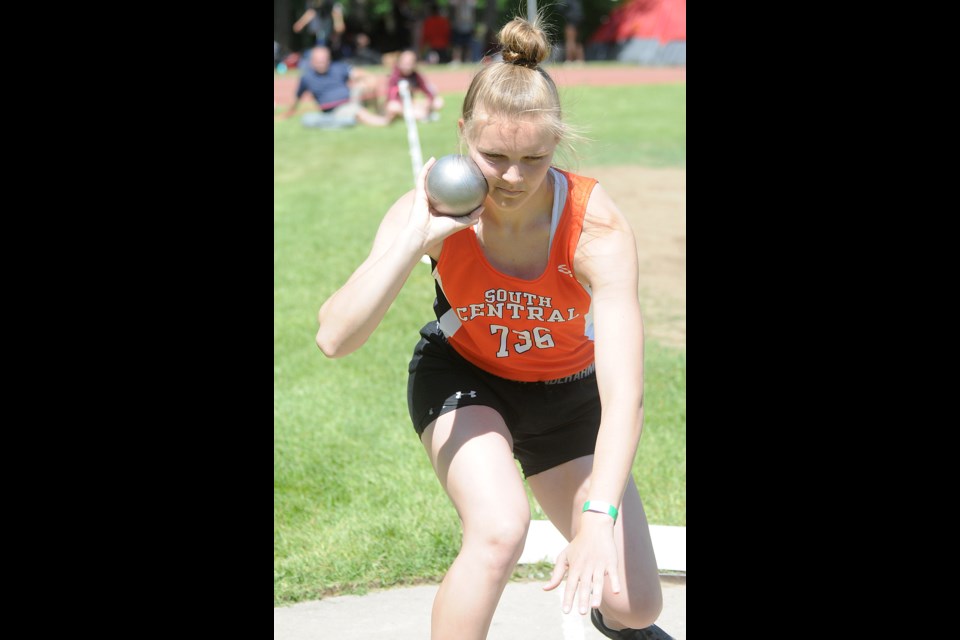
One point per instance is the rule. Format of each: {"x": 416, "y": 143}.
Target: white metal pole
{"x": 413, "y": 138}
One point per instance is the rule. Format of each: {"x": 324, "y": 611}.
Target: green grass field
{"x": 356, "y": 504}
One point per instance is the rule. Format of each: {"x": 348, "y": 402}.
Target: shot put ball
{"x": 455, "y": 185}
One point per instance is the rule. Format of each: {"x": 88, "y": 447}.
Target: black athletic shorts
{"x": 551, "y": 422}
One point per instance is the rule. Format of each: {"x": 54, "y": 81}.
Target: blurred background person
{"x": 324, "y": 19}
{"x": 435, "y": 36}
{"x": 425, "y": 110}
{"x": 363, "y": 53}
{"x": 404, "y": 19}
{"x": 572, "y": 12}
{"x": 464, "y": 22}
{"x": 337, "y": 89}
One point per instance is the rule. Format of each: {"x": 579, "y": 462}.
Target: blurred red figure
{"x": 435, "y": 37}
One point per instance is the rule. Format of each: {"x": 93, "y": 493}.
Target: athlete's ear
{"x": 460, "y": 126}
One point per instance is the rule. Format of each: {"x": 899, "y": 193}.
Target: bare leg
{"x": 561, "y": 492}
{"x": 434, "y": 106}
{"x": 421, "y": 110}
{"x": 394, "y": 109}
{"x": 367, "y": 117}
{"x": 471, "y": 451}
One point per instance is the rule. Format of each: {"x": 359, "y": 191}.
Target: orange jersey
{"x": 526, "y": 330}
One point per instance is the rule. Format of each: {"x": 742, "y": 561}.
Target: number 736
{"x": 541, "y": 337}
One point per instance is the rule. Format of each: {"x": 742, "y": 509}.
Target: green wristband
{"x": 601, "y": 507}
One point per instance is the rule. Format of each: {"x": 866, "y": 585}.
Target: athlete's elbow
{"x": 330, "y": 345}
{"x": 328, "y": 340}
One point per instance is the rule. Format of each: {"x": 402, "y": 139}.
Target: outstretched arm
{"x": 408, "y": 231}
{"x": 292, "y": 109}
{"x": 304, "y": 20}
{"x": 607, "y": 260}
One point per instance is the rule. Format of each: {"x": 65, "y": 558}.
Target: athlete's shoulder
{"x": 575, "y": 178}
{"x": 602, "y": 213}
{"x": 606, "y": 233}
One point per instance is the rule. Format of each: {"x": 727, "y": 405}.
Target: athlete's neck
{"x": 536, "y": 211}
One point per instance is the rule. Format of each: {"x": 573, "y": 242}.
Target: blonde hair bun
{"x": 524, "y": 43}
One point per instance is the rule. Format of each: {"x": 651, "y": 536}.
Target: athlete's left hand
{"x": 591, "y": 555}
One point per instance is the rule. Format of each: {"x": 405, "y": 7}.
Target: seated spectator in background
{"x": 363, "y": 54}
{"x": 435, "y": 37}
{"x": 337, "y": 88}
{"x": 406, "y": 69}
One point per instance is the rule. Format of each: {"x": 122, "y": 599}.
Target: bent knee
{"x": 636, "y": 612}
{"x": 500, "y": 542}
{"x": 507, "y": 534}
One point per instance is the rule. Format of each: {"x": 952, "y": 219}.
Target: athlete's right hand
{"x": 429, "y": 223}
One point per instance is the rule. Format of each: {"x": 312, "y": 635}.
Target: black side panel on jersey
{"x": 440, "y": 304}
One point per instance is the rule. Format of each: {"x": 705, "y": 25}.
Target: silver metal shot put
{"x": 455, "y": 185}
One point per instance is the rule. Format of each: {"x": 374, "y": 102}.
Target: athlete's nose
{"x": 512, "y": 174}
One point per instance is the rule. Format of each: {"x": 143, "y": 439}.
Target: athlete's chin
{"x": 512, "y": 202}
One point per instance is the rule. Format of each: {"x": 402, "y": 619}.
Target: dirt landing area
{"x": 655, "y": 203}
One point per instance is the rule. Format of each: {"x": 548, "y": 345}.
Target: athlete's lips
{"x": 509, "y": 192}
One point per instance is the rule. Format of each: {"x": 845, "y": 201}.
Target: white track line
{"x": 544, "y": 542}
